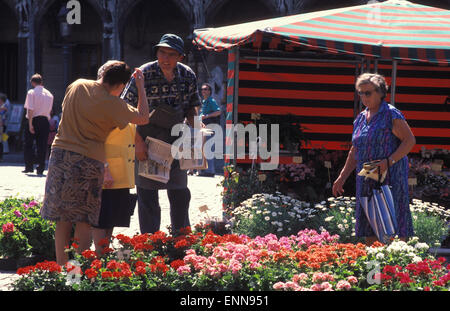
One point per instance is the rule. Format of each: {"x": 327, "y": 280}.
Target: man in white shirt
{"x": 38, "y": 104}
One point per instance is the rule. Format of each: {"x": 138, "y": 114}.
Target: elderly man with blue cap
{"x": 168, "y": 83}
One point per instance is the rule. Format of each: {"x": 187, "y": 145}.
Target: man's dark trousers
{"x": 41, "y": 132}
{"x": 150, "y": 210}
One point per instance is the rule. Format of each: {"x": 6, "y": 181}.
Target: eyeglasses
{"x": 365, "y": 93}
{"x": 205, "y": 89}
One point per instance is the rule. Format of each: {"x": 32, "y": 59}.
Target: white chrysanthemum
{"x": 421, "y": 246}
{"x": 267, "y": 218}
{"x": 380, "y": 256}
{"x": 330, "y": 218}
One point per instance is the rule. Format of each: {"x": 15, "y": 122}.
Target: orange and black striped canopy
{"x": 394, "y": 29}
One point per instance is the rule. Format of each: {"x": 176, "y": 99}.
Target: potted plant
{"x": 291, "y": 132}
{"x": 13, "y": 247}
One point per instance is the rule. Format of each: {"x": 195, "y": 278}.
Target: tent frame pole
{"x": 393, "y": 81}
{"x": 235, "y": 104}
{"x": 311, "y": 60}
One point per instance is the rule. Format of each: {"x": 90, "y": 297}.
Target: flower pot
{"x": 26, "y": 261}
{"x": 12, "y": 264}
{"x": 8, "y": 264}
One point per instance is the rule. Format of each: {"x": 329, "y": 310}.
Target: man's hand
{"x": 141, "y": 150}
{"x": 31, "y": 129}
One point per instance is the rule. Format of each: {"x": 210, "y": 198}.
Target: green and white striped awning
{"x": 392, "y": 29}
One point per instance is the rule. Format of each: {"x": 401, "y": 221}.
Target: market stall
{"x": 306, "y": 64}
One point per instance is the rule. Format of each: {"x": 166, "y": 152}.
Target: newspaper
{"x": 195, "y": 161}
{"x": 157, "y": 166}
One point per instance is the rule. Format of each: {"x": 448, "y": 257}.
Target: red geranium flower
{"x": 107, "y": 250}
{"x": 113, "y": 265}
{"x": 91, "y": 273}
{"x": 88, "y": 254}
{"x": 126, "y": 273}
{"x": 103, "y": 242}
{"x": 96, "y": 264}
{"x": 177, "y": 263}
{"x": 8, "y": 227}
{"x": 123, "y": 239}
{"x": 140, "y": 270}
{"x": 107, "y": 275}
{"x": 182, "y": 243}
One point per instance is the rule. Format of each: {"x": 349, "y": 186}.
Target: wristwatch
{"x": 393, "y": 161}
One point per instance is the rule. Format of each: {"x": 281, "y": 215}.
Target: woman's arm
{"x": 402, "y": 131}
{"x": 143, "y": 110}
{"x": 349, "y": 167}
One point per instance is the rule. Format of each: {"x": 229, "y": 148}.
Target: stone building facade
{"x": 34, "y": 36}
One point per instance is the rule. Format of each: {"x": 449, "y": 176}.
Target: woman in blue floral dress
{"x": 380, "y": 132}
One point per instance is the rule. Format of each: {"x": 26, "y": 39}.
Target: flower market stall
{"x": 306, "y": 65}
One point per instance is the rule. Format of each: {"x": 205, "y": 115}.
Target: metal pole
{"x": 235, "y": 103}
{"x": 355, "y": 96}
{"x": 394, "y": 81}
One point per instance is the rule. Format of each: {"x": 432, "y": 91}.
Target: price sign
{"x": 327, "y": 164}
{"x": 412, "y": 181}
{"x": 262, "y": 177}
{"x": 297, "y": 160}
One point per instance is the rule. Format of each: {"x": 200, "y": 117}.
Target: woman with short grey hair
{"x": 376, "y": 80}
{"x": 380, "y": 132}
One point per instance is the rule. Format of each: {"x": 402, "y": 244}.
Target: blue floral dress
{"x": 374, "y": 140}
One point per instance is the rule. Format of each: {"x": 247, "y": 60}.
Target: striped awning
{"x": 394, "y": 29}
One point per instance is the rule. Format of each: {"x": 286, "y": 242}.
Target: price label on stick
{"x": 412, "y": 181}
{"x": 327, "y": 164}
{"x": 297, "y": 160}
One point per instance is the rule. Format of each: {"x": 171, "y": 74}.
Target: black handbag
{"x": 165, "y": 116}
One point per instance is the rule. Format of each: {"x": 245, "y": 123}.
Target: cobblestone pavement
{"x": 204, "y": 191}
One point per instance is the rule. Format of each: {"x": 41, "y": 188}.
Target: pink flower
{"x": 291, "y": 285}
{"x": 255, "y": 265}
{"x": 298, "y": 278}
{"x": 279, "y": 286}
{"x": 239, "y": 257}
{"x": 343, "y": 285}
{"x": 17, "y": 213}
{"x": 352, "y": 279}
{"x": 183, "y": 270}
{"x": 26, "y": 206}
{"x": 319, "y": 276}
{"x": 8, "y": 227}
{"x": 33, "y": 203}
{"x": 326, "y": 286}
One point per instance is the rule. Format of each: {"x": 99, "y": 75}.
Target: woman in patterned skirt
{"x": 380, "y": 132}
{"x": 90, "y": 111}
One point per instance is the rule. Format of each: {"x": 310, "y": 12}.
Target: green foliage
{"x": 239, "y": 185}
{"x": 32, "y": 233}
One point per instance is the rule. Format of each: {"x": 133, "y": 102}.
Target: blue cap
{"x": 171, "y": 41}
